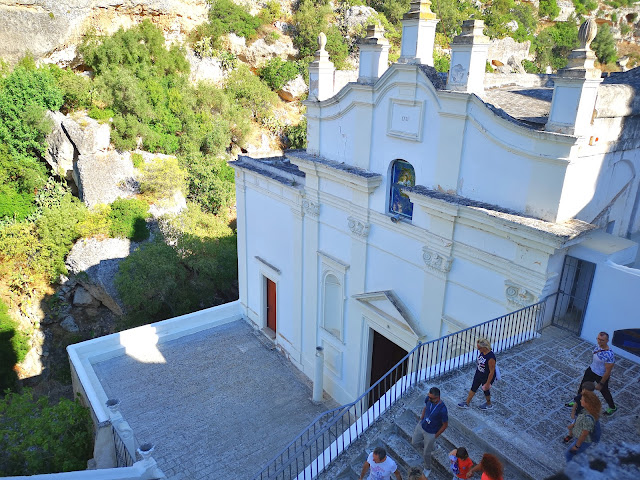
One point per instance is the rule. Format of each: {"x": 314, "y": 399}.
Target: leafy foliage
{"x": 441, "y": 61}
{"x": 297, "y": 134}
{"x": 211, "y": 183}
{"x": 604, "y": 45}
{"x": 250, "y": 92}
{"x": 198, "y": 270}
{"x": 584, "y": 7}
{"x": 311, "y": 18}
{"x": 548, "y": 9}
{"x": 554, "y": 44}
{"x": 161, "y": 177}
{"x": 128, "y": 219}
{"x": 14, "y": 345}
{"x": 277, "y": 72}
{"x": 36, "y": 437}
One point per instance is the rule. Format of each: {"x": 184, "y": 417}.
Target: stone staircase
{"x": 466, "y": 428}
{"x": 526, "y": 427}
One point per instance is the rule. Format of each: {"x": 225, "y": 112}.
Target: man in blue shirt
{"x": 433, "y": 421}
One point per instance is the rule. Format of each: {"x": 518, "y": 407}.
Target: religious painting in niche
{"x": 402, "y": 175}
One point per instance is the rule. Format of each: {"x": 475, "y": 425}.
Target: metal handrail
{"x": 311, "y": 452}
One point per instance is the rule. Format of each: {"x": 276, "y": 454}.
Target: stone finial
{"x": 587, "y": 32}
{"x": 472, "y": 33}
{"x": 375, "y": 35}
{"x": 421, "y": 10}
{"x": 322, "y": 41}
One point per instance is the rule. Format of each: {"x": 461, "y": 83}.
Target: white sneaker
{"x": 427, "y": 472}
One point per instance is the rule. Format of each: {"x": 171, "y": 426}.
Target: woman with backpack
{"x": 582, "y": 430}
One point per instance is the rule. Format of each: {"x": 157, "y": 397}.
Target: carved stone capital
{"x": 434, "y": 261}
{"x": 310, "y": 208}
{"x": 358, "y": 227}
{"x": 518, "y": 296}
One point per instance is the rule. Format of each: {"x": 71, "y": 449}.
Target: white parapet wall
{"x": 137, "y": 342}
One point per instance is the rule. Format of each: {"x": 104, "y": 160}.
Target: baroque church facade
{"x": 426, "y": 204}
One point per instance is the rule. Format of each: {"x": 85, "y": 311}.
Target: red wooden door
{"x": 271, "y": 305}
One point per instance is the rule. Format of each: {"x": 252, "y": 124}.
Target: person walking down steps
{"x": 485, "y": 375}
{"x": 433, "y": 422}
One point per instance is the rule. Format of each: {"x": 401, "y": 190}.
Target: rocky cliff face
{"x": 44, "y": 27}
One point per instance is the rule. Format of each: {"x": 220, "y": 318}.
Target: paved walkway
{"x": 537, "y": 379}
{"x": 220, "y": 407}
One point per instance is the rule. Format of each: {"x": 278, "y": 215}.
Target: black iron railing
{"x": 333, "y": 431}
{"x": 123, "y": 457}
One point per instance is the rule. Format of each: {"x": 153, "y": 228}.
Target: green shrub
{"x": 15, "y": 204}
{"x": 101, "y": 114}
{"x": 76, "y": 89}
{"x": 58, "y": 230}
{"x": 278, "y": 72}
{"x": 211, "y": 183}
{"x": 271, "y": 12}
{"x": 128, "y": 219}
{"x": 297, "y": 135}
{"x": 625, "y": 28}
{"x": 554, "y": 44}
{"x": 96, "y": 222}
{"x": 159, "y": 281}
{"x": 227, "y": 17}
{"x": 137, "y": 159}
{"x": 271, "y": 37}
{"x": 441, "y": 61}
{"x": 14, "y": 345}
{"x": 604, "y": 45}
{"x": 529, "y": 66}
{"x": 161, "y": 177}
{"x": 548, "y": 9}
{"x": 310, "y": 19}
{"x": 36, "y": 437}
{"x": 250, "y": 92}
{"x": 25, "y": 94}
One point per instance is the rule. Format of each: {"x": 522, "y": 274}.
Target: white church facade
{"x": 424, "y": 205}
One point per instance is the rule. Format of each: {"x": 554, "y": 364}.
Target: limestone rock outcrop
{"x": 44, "y": 27}
{"x": 259, "y": 52}
{"x": 294, "y": 89}
{"x": 95, "y": 262}
{"x": 507, "y": 51}
{"x": 78, "y": 149}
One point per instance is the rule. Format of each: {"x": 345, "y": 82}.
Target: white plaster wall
{"x": 269, "y": 236}
{"x": 614, "y": 303}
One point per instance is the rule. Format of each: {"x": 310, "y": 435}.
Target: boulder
{"x": 95, "y": 263}
{"x": 206, "y": 69}
{"x": 104, "y": 177}
{"x": 45, "y": 26}
{"x": 294, "y": 89}
{"x": 78, "y": 150}
{"x": 83, "y": 298}
{"x": 69, "y": 324}
{"x": 354, "y": 18}
{"x": 516, "y": 66}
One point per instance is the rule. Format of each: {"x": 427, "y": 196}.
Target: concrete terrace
{"x": 217, "y": 404}
{"x": 528, "y": 422}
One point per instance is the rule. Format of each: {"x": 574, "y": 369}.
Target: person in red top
{"x": 460, "y": 462}
{"x": 490, "y": 467}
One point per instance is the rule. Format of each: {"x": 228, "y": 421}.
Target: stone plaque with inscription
{"x": 405, "y": 119}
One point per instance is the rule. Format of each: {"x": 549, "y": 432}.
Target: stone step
{"x": 491, "y": 436}
{"x": 402, "y": 451}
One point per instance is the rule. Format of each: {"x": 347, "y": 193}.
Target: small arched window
{"x": 332, "y": 311}
{"x": 402, "y": 175}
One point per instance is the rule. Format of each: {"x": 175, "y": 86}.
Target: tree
{"x": 604, "y": 45}
{"x": 36, "y": 437}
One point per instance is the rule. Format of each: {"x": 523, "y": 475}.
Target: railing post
{"x": 151, "y": 470}
{"x": 121, "y": 426}
{"x": 104, "y": 449}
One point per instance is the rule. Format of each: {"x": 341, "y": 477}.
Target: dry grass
{"x": 632, "y": 51}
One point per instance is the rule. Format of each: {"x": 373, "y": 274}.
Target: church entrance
{"x": 384, "y": 356}
{"x": 271, "y": 305}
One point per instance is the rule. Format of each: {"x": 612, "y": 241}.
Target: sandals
{"x": 567, "y": 439}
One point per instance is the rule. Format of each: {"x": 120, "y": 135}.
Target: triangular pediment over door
{"x": 388, "y": 315}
